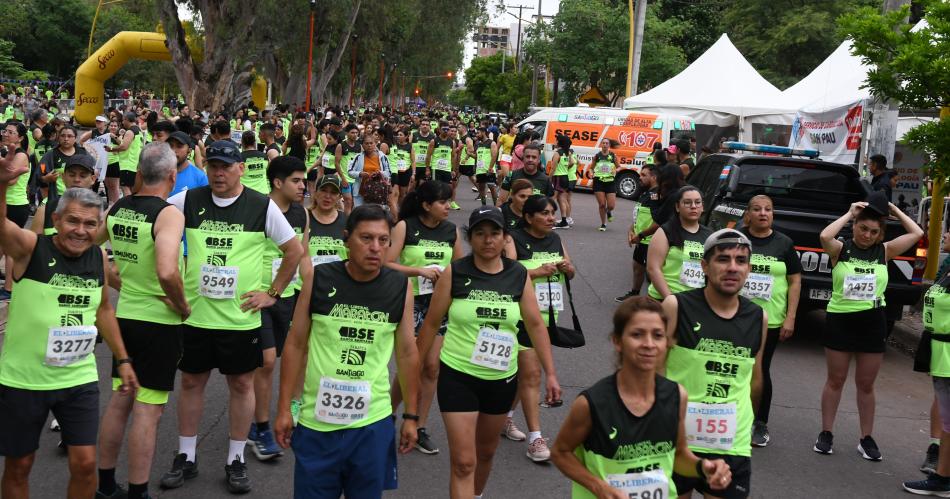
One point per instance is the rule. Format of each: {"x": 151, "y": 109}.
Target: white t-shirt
{"x": 276, "y": 228}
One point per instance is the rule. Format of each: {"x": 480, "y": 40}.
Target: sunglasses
{"x": 219, "y": 151}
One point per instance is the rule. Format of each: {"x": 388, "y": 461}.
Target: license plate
{"x": 819, "y": 294}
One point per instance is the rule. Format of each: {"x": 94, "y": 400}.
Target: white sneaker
{"x": 538, "y": 450}
{"x": 570, "y": 221}
{"x": 511, "y": 432}
{"x": 54, "y": 425}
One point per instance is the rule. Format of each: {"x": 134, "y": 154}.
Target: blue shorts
{"x": 354, "y": 463}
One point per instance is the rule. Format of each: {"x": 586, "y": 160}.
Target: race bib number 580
{"x": 645, "y": 485}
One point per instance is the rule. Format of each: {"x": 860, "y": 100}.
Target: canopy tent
{"x": 718, "y": 89}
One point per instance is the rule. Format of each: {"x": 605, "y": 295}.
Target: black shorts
{"x": 486, "y": 178}
{"x": 421, "y": 174}
{"x": 640, "y": 253}
{"x": 23, "y": 416}
{"x": 18, "y": 214}
{"x": 275, "y": 323}
{"x": 112, "y": 170}
{"x": 403, "y": 178}
{"x": 127, "y": 179}
{"x": 741, "y": 468}
{"x": 571, "y": 184}
{"x": 460, "y": 392}
{"x": 442, "y": 176}
{"x": 420, "y": 307}
{"x": 607, "y": 187}
{"x": 467, "y": 170}
{"x": 155, "y": 350}
{"x": 560, "y": 183}
{"x": 231, "y": 352}
{"x": 861, "y": 332}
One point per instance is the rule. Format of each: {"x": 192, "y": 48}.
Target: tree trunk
{"x": 328, "y": 70}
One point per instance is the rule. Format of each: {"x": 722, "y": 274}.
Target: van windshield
{"x": 800, "y": 186}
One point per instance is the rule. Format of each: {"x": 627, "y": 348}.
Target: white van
{"x": 632, "y": 133}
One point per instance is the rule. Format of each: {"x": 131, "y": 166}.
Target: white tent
{"x": 718, "y": 89}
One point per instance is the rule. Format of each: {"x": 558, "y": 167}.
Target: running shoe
{"x": 474, "y": 189}
{"x": 824, "y": 443}
{"x": 610, "y": 216}
{"x": 235, "y": 474}
{"x": 54, "y": 425}
{"x": 760, "y": 434}
{"x": 265, "y": 446}
{"x": 118, "y": 493}
{"x": 538, "y": 450}
{"x": 562, "y": 225}
{"x": 868, "y": 449}
{"x": 602, "y": 228}
{"x": 455, "y": 206}
{"x": 934, "y": 485}
{"x": 295, "y": 405}
{"x": 930, "y": 462}
{"x": 570, "y": 221}
{"x": 512, "y": 432}
{"x": 424, "y": 443}
{"x": 182, "y": 470}
{"x": 632, "y": 292}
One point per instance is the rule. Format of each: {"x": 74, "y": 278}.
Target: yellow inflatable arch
{"x": 92, "y": 74}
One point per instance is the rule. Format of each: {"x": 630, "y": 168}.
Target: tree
{"x": 50, "y": 35}
{"x": 586, "y": 44}
{"x": 496, "y": 91}
{"x": 911, "y": 68}
{"x": 786, "y": 40}
{"x": 11, "y": 68}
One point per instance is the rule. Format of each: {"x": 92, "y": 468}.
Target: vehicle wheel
{"x": 628, "y": 185}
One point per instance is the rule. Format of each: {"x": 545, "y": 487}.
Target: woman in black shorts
{"x": 484, "y": 295}
{"x": 400, "y": 157}
{"x": 856, "y": 325}
{"x": 603, "y": 168}
{"x": 15, "y": 143}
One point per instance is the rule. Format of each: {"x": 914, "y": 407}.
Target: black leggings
{"x": 765, "y": 403}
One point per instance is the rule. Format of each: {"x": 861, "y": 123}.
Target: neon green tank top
{"x": 225, "y": 250}
{"x": 400, "y": 158}
{"x": 131, "y": 224}
{"x": 937, "y": 320}
{"x": 773, "y": 259}
{"x": 603, "y": 167}
{"x": 16, "y": 193}
{"x": 326, "y": 240}
{"x": 713, "y": 359}
{"x": 352, "y": 333}
{"x": 682, "y": 269}
{"x": 421, "y": 146}
{"x": 533, "y": 253}
{"x": 255, "y": 171}
{"x": 442, "y": 155}
{"x": 859, "y": 279}
{"x": 296, "y": 215}
{"x": 633, "y": 454}
{"x": 482, "y": 157}
{"x": 483, "y": 320}
{"x": 53, "y": 349}
{"x": 426, "y": 246}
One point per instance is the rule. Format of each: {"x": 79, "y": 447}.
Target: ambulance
{"x": 632, "y": 136}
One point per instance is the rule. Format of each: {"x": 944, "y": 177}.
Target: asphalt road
{"x": 786, "y": 468}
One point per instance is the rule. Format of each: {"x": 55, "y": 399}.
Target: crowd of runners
{"x": 323, "y": 240}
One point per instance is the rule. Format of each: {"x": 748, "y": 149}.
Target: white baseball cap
{"x": 102, "y": 119}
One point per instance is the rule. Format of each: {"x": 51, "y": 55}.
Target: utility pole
{"x": 521, "y": 8}
{"x": 534, "y": 77}
{"x": 637, "y": 46}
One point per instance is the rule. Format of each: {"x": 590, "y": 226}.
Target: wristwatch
{"x": 123, "y": 361}
{"x": 272, "y": 292}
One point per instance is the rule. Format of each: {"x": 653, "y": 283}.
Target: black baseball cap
{"x": 486, "y": 214}
{"x": 331, "y": 180}
{"x": 182, "y": 138}
{"x": 84, "y": 160}
{"x": 877, "y": 202}
{"x": 224, "y": 150}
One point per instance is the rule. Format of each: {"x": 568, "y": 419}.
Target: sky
{"x": 548, "y": 8}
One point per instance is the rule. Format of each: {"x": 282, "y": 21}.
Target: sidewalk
{"x": 907, "y": 331}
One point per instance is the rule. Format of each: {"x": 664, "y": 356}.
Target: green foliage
{"x": 496, "y": 91}
{"x": 699, "y": 20}
{"x": 11, "y": 68}
{"x": 786, "y": 40}
{"x": 586, "y": 44}
{"x": 910, "y": 67}
{"x": 459, "y": 97}
{"x": 50, "y": 35}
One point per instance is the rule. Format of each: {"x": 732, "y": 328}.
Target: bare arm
{"x": 169, "y": 226}
{"x": 671, "y": 310}
{"x": 17, "y": 243}
{"x": 656, "y": 255}
{"x": 407, "y": 370}
{"x": 538, "y": 332}
{"x": 293, "y": 361}
{"x": 438, "y": 307}
{"x": 899, "y": 245}
{"x": 573, "y": 433}
{"x": 126, "y": 142}
{"x": 828, "y": 236}
{"x": 397, "y": 242}
{"x": 793, "y": 297}
{"x": 108, "y": 328}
